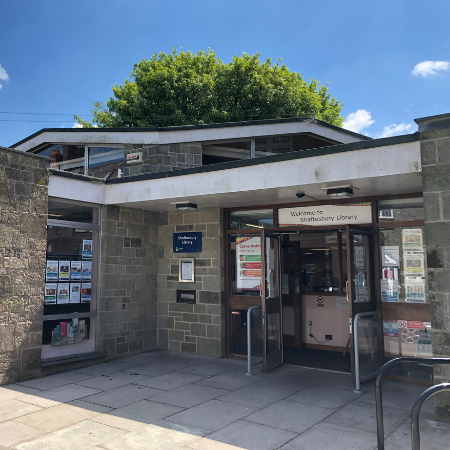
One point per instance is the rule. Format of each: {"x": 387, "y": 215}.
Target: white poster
{"x": 248, "y": 262}
{"x": 86, "y": 292}
{"x": 360, "y": 260}
{"x": 415, "y": 290}
{"x": 186, "y": 270}
{"x": 75, "y": 270}
{"x": 64, "y": 270}
{"x": 349, "y": 213}
{"x": 63, "y": 293}
{"x": 342, "y": 303}
{"x": 50, "y": 293}
{"x": 86, "y": 271}
{"x": 389, "y": 290}
{"x": 87, "y": 249}
{"x": 413, "y": 264}
{"x": 52, "y": 271}
{"x": 412, "y": 239}
{"x": 75, "y": 292}
{"x": 361, "y": 288}
{"x": 390, "y": 256}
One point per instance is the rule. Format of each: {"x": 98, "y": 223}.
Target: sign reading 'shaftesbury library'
{"x": 188, "y": 242}
{"x": 307, "y": 216}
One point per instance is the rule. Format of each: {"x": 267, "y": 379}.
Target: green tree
{"x": 197, "y": 88}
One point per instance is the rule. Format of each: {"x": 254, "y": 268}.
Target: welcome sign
{"x": 307, "y": 216}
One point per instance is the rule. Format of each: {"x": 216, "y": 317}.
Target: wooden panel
{"x": 244, "y": 301}
{"x": 406, "y": 311}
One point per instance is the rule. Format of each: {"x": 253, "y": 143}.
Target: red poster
{"x": 63, "y": 329}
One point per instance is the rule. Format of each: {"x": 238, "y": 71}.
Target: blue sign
{"x": 188, "y": 242}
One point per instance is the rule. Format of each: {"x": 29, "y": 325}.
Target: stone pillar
{"x": 23, "y": 240}
{"x": 128, "y": 272}
{"x": 435, "y": 152}
{"x": 198, "y": 328}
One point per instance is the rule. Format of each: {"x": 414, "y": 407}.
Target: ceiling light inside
{"x": 341, "y": 192}
{"x": 186, "y": 206}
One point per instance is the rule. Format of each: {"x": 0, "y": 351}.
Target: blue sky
{"x": 58, "y": 57}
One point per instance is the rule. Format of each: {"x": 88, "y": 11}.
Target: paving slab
{"x": 103, "y": 369}
{"x": 211, "y": 368}
{"x": 122, "y": 396}
{"x": 86, "y": 409}
{"x": 290, "y": 416}
{"x": 118, "y": 422}
{"x": 111, "y": 380}
{"x": 212, "y": 415}
{"x": 169, "y": 381}
{"x": 209, "y": 444}
{"x": 324, "y": 397}
{"x": 256, "y": 396}
{"x": 12, "y": 433}
{"x": 38, "y": 400}
{"x": 230, "y": 380}
{"x": 290, "y": 381}
{"x": 68, "y": 393}
{"x": 151, "y": 437}
{"x": 178, "y": 427}
{"x": 328, "y": 436}
{"x": 83, "y": 435}
{"x": 363, "y": 417}
{"x": 54, "y": 381}
{"x": 157, "y": 368}
{"x": 51, "y": 419}
{"x": 163, "y": 356}
{"x": 146, "y": 411}
{"x": 189, "y": 396}
{"x": 10, "y": 409}
{"x": 8, "y": 394}
{"x": 252, "y": 436}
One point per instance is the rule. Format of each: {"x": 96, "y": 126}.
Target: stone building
{"x": 164, "y": 238}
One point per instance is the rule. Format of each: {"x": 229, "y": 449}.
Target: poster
{"x": 75, "y": 292}
{"x": 86, "y": 271}
{"x": 390, "y": 328}
{"x": 415, "y": 290}
{"x": 360, "y": 260}
{"x": 390, "y": 273}
{"x": 87, "y": 249}
{"x": 64, "y": 270}
{"x": 389, "y": 290}
{"x": 52, "y": 271}
{"x": 75, "y": 270}
{"x": 85, "y": 292}
{"x": 361, "y": 288}
{"x": 412, "y": 239}
{"x": 187, "y": 270}
{"x": 248, "y": 256}
{"x": 390, "y": 256}
{"x": 413, "y": 264}
{"x": 50, "y": 293}
{"x": 342, "y": 303}
{"x": 63, "y": 293}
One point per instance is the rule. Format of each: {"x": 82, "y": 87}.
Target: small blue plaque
{"x": 187, "y": 242}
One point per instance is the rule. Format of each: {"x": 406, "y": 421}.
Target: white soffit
{"x": 73, "y": 189}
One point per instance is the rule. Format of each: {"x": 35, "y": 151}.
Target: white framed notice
{"x": 64, "y": 270}
{"x": 75, "y": 270}
{"x": 186, "y": 270}
{"x": 75, "y": 292}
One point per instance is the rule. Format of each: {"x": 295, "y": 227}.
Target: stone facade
{"x": 198, "y": 328}
{"x": 23, "y": 240}
{"x": 435, "y": 151}
{"x": 163, "y": 158}
{"x": 128, "y": 271}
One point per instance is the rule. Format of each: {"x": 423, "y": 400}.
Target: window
{"x": 400, "y": 210}
{"x": 253, "y": 219}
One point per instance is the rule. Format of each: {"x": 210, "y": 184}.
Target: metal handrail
{"x": 379, "y": 382}
{"x": 356, "y": 345}
{"x": 415, "y": 415}
{"x": 249, "y": 338}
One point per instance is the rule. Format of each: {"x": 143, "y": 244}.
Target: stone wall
{"x": 23, "y": 239}
{"x": 163, "y": 158}
{"x": 128, "y": 272}
{"x": 435, "y": 150}
{"x": 198, "y": 328}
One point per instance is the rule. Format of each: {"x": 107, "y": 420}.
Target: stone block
{"x": 439, "y": 309}
{"x": 209, "y": 297}
{"x": 211, "y": 283}
{"x": 182, "y": 326}
{"x": 198, "y": 329}
{"x": 428, "y": 152}
{"x": 214, "y": 310}
{"x": 175, "y": 346}
{"x": 435, "y": 134}
{"x": 209, "y": 347}
{"x": 213, "y": 331}
{"x": 435, "y": 258}
{"x": 437, "y": 234}
{"x": 176, "y": 335}
{"x": 188, "y": 347}
{"x": 163, "y": 339}
{"x": 432, "y": 208}
{"x": 443, "y": 146}
{"x": 210, "y": 215}
{"x": 439, "y": 280}
{"x": 436, "y": 178}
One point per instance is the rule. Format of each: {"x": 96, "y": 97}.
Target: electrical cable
{"x": 311, "y": 335}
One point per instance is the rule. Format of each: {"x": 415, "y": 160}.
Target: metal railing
{"x": 378, "y": 391}
{"x": 358, "y": 377}
{"x": 249, "y": 338}
{"x": 415, "y": 415}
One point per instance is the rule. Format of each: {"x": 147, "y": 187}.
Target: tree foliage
{"x": 198, "y": 88}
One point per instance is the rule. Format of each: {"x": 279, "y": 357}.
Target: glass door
{"x": 271, "y": 301}
{"x": 362, "y": 299}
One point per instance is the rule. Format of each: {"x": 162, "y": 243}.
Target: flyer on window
{"x": 87, "y": 248}
{"x": 390, "y": 256}
{"x": 50, "y": 293}
{"x": 63, "y": 293}
{"x": 389, "y": 291}
{"x": 75, "y": 270}
{"x": 86, "y": 292}
{"x": 248, "y": 262}
{"x": 75, "y": 292}
{"x": 413, "y": 264}
{"x": 412, "y": 239}
{"x": 52, "y": 271}
{"x": 390, "y": 328}
{"x": 64, "y": 270}
{"x": 415, "y": 290}
{"x": 86, "y": 271}
{"x": 360, "y": 260}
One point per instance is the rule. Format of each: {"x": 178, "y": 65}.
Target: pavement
{"x": 161, "y": 400}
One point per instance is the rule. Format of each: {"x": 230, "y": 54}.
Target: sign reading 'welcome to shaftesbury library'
{"x": 348, "y": 213}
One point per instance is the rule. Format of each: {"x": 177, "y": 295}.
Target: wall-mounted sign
{"x": 320, "y": 301}
{"x": 188, "y": 242}
{"x": 248, "y": 262}
{"x": 134, "y": 158}
{"x": 186, "y": 270}
{"x": 307, "y": 216}
{"x": 187, "y": 296}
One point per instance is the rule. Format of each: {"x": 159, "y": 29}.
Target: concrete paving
{"x": 161, "y": 400}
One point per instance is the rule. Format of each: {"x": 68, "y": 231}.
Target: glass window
{"x": 65, "y": 157}
{"x": 400, "y": 210}
{"x": 100, "y": 156}
{"x": 319, "y": 262}
{"x": 258, "y": 218}
{"x": 403, "y": 265}
{"x": 73, "y": 213}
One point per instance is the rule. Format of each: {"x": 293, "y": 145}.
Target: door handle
{"x": 346, "y": 289}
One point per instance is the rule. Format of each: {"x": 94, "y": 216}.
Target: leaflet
{"x": 390, "y": 256}
{"x": 413, "y": 264}
{"x": 75, "y": 292}
{"x": 75, "y": 270}
{"x": 412, "y": 239}
{"x": 86, "y": 272}
{"x": 64, "y": 270}
{"x": 52, "y": 271}
{"x": 389, "y": 290}
{"x": 63, "y": 293}
{"x": 87, "y": 248}
{"x": 50, "y": 293}
{"x": 86, "y": 292}
{"x": 415, "y": 290}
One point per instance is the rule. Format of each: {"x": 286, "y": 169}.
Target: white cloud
{"x": 426, "y": 68}
{"x": 394, "y": 130}
{"x": 77, "y": 125}
{"x": 3, "y": 75}
{"x": 358, "y": 120}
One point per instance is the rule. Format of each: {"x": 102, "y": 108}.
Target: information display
{"x": 248, "y": 262}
